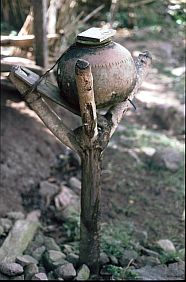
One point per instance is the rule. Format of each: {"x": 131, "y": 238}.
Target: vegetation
{"x": 71, "y": 229}
{"x": 153, "y": 13}
{"x": 128, "y": 14}
{"x": 144, "y": 137}
{"x": 115, "y": 238}
{"x": 119, "y": 273}
{"x": 166, "y": 258}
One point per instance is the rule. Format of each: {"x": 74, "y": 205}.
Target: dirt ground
{"x": 151, "y": 199}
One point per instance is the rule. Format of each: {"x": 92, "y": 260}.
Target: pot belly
{"x": 113, "y": 70}
{"x": 113, "y": 82}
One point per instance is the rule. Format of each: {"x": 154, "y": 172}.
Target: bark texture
{"x": 90, "y": 209}
{"x": 84, "y": 82}
{"x": 91, "y": 170}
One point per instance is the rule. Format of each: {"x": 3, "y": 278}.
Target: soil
{"x": 131, "y": 190}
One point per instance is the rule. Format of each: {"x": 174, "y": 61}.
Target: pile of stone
{"x": 27, "y": 254}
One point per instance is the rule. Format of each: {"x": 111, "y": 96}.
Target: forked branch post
{"x": 91, "y": 169}
{"x": 89, "y": 141}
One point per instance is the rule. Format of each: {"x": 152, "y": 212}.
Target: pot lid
{"x": 95, "y": 36}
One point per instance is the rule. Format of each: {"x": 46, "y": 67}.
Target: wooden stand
{"x": 89, "y": 141}
{"x": 91, "y": 169}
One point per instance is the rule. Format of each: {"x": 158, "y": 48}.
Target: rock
{"x": 30, "y": 270}
{"x": 6, "y": 224}
{"x": 42, "y": 268}
{"x": 171, "y": 117}
{"x": 175, "y": 271}
{"x": 168, "y": 158}
{"x": 40, "y": 239}
{"x": 83, "y": 273}
{"x": 150, "y": 273}
{"x": 67, "y": 249}
{"x": 33, "y": 216}
{"x": 75, "y": 184}
{"x": 11, "y": 269}
{"x": 56, "y": 255}
{"x": 148, "y": 151}
{"x": 48, "y": 191}
{"x": 15, "y": 215}
{"x": 18, "y": 239}
{"x": 67, "y": 204}
{"x": 52, "y": 259}
{"x": 141, "y": 236}
{"x": 66, "y": 271}
{"x": 127, "y": 256}
{"x": 113, "y": 260}
{"x": 39, "y": 276}
{"x": 17, "y": 278}
{"x": 51, "y": 244}
{"x": 166, "y": 245}
{"x": 51, "y": 275}
{"x": 37, "y": 242}
{"x": 147, "y": 260}
{"x": 38, "y": 252}
{"x": 25, "y": 260}
{"x": 104, "y": 259}
{"x": 73, "y": 258}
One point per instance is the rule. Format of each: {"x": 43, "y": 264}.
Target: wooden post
{"x": 91, "y": 170}
{"x": 41, "y": 44}
{"x": 90, "y": 209}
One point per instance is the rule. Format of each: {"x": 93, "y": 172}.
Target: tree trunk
{"x": 41, "y": 44}
{"x": 90, "y": 209}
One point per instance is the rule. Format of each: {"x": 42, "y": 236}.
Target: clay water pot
{"x": 113, "y": 69}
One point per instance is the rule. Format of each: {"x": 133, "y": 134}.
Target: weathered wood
{"x": 93, "y": 13}
{"x": 17, "y": 40}
{"x": 113, "y": 10}
{"x": 23, "y": 40}
{"x": 139, "y": 3}
{"x": 115, "y": 113}
{"x": 41, "y": 46}
{"x": 27, "y": 27}
{"x": 90, "y": 209}
{"x": 46, "y": 114}
{"x": 6, "y": 84}
{"x": 84, "y": 82}
{"x": 52, "y": 17}
{"x": 91, "y": 169}
{"x": 8, "y": 62}
{"x": 45, "y": 88}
